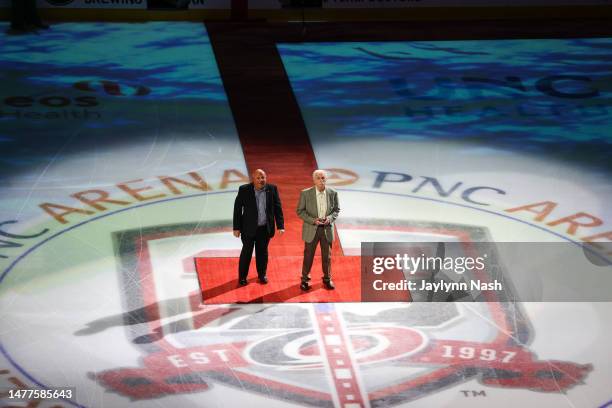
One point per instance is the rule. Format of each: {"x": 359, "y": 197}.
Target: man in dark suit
{"x": 256, "y": 208}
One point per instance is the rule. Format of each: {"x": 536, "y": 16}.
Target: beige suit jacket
{"x": 308, "y": 212}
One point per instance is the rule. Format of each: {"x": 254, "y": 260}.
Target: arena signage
{"x": 120, "y": 4}
{"x": 450, "y": 3}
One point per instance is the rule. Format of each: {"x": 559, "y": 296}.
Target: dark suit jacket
{"x": 245, "y": 210}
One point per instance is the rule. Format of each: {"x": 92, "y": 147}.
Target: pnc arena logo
{"x": 322, "y": 354}
{"x": 327, "y": 354}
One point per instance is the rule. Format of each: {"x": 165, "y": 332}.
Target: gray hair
{"x": 314, "y": 173}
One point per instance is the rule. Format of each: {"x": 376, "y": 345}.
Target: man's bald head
{"x": 257, "y": 171}
{"x": 259, "y": 178}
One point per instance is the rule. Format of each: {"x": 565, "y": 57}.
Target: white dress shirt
{"x": 321, "y": 203}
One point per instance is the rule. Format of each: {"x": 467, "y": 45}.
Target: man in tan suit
{"x": 318, "y": 208}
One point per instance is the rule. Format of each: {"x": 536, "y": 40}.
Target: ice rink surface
{"x": 120, "y": 162}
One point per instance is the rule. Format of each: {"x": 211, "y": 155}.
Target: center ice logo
{"x": 318, "y": 355}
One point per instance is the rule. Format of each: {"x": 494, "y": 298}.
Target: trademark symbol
{"x": 473, "y": 393}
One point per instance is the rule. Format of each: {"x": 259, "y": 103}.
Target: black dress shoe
{"x": 305, "y": 286}
{"x": 242, "y": 282}
{"x": 329, "y": 285}
{"x": 263, "y": 280}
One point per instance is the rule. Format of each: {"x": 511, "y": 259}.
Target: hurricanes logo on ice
{"x": 316, "y": 354}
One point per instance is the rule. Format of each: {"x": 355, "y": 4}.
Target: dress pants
{"x": 260, "y": 243}
{"x": 309, "y": 253}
